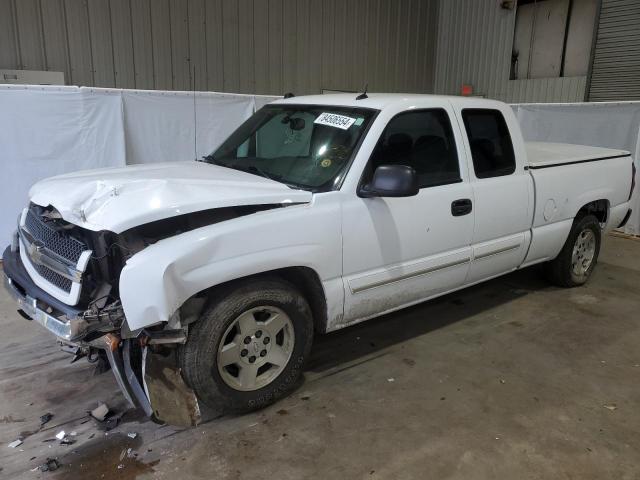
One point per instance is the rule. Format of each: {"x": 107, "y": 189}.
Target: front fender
{"x": 156, "y": 281}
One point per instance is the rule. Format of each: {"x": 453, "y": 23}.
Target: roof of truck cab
{"x": 373, "y": 100}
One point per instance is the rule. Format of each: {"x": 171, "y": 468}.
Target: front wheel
{"x": 249, "y": 346}
{"x": 577, "y": 259}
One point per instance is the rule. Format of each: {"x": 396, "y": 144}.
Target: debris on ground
{"x": 502, "y": 381}
{"x": 60, "y": 435}
{"x": 67, "y": 441}
{"x": 44, "y": 419}
{"x": 128, "y": 453}
{"x": 74, "y": 433}
{"x": 132, "y": 435}
{"x": 15, "y": 443}
{"x": 391, "y": 379}
{"x": 611, "y": 407}
{"x": 50, "y": 465}
{"x": 100, "y": 412}
{"x": 112, "y": 422}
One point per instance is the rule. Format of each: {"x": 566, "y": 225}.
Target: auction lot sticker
{"x": 335, "y": 120}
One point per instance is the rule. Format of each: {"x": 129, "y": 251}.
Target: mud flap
{"x": 172, "y": 401}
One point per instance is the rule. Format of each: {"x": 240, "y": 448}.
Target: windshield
{"x": 304, "y": 146}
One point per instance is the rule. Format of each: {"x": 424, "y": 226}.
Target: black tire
{"x": 197, "y": 356}
{"x": 560, "y": 270}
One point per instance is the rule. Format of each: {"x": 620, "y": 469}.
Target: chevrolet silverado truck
{"x": 206, "y": 281}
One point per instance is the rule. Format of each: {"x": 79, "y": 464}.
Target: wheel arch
{"x": 597, "y": 208}
{"x": 305, "y": 279}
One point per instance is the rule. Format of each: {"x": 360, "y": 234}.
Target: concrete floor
{"x": 509, "y": 379}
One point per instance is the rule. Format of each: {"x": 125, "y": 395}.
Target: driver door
{"x": 399, "y": 251}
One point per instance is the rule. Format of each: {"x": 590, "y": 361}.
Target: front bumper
{"x": 60, "y": 319}
{"x": 67, "y": 330}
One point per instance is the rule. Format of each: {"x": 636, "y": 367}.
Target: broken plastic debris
{"x": 100, "y": 412}
{"x": 611, "y": 407}
{"x": 132, "y": 434}
{"x": 67, "y": 441}
{"x": 50, "y": 465}
{"x": 15, "y": 443}
{"x": 45, "y": 419}
{"x": 60, "y": 435}
{"x": 121, "y": 466}
{"x": 112, "y": 422}
{"x": 391, "y": 379}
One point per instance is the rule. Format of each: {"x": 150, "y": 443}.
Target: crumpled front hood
{"x": 117, "y": 199}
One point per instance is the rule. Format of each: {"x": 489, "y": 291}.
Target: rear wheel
{"x": 579, "y": 255}
{"x": 249, "y": 346}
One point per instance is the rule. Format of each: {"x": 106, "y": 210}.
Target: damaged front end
{"x": 143, "y": 361}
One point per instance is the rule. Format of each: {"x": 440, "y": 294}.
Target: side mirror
{"x": 391, "y": 181}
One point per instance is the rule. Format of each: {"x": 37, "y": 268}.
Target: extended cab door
{"x": 502, "y": 188}
{"x": 398, "y": 251}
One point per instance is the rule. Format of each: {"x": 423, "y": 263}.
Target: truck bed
{"x": 582, "y": 175}
{"x": 546, "y": 154}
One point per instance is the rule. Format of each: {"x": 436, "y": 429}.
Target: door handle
{"x": 461, "y": 207}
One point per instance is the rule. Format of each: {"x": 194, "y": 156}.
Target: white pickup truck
{"x": 317, "y": 213}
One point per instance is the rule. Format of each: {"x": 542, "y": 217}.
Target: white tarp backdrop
{"x": 46, "y": 131}
{"x": 607, "y": 124}
{"x": 159, "y": 126}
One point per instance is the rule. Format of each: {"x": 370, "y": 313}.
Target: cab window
{"x": 423, "y": 140}
{"x": 491, "y": 147}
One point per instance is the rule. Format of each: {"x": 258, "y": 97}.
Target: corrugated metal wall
{"x": 474, "y": 47}
{"x": 616, "y": 62}
{"x": 253, "y": 46}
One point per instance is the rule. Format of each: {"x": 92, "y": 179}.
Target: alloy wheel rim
{"x": 584, "y": 251}
{"x": 255, "y": 348}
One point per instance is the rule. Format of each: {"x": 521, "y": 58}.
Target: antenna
{"x": 363, "y": 95}
{"x": 195, "y": 116}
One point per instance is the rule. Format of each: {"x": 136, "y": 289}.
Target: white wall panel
{"x": 28, "y": 22}
{"x": 122, "y": 35}
{"x": 101, "y": 43}
{"x": 79, "y": 43}
{"x": 251, "y": 46}
{"x": 142, "y": 43}
{"x": 54, "y": 36}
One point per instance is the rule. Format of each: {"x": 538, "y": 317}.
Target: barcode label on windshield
{"x": 333, "y": 120}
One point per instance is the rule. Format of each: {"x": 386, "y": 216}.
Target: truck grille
{"x": 58, "y": 242}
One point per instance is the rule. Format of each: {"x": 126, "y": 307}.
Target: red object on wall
{"x": 466, "y": 90}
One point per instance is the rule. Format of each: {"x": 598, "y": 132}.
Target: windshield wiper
{"x": 256, "y": 170}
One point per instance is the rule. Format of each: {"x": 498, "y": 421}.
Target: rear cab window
{"x": 490, "y": 142}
